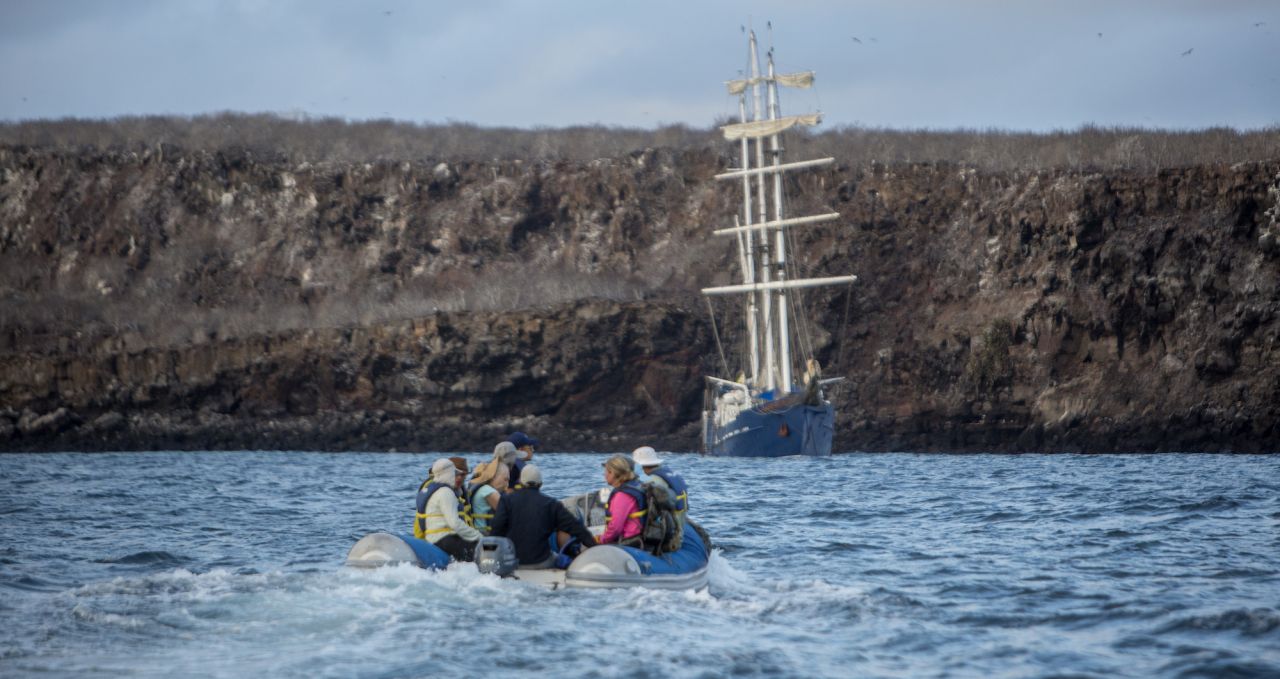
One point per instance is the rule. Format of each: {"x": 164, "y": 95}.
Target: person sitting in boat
{"x": 487, "y": 487}
{"x": 625, "y": 509}
{"x": 525, "y": 445}
{"x": 439, "y": 518}
{"x": 529, "y": 518}
{"x": 505, "y": 454}
{"x": 657, "y": 472}
{"x": 460, "y": 487}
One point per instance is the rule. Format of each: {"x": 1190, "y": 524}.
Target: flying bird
{"x": 387, "y": 13}
{"x": 1187, "y": 52}
{"x": 1259, "y": 24}
{"x": 1099, "y": 35}
{"x": 855, "y": 40}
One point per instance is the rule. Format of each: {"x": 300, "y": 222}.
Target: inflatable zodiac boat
{"x": 602, "y": 566}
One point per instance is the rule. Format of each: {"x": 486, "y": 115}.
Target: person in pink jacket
{"x": 626, "y": 506}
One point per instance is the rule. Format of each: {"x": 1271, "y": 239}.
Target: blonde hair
{"x": 621, "y": 467}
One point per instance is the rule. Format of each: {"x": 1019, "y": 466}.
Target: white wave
{"x": 87, "y": 614}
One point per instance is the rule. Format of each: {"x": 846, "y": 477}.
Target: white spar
{"x": 779, "y": 285}
{"x": 771, "y": 169}
{"x": 781, "y": 223}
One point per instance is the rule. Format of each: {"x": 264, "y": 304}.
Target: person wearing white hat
{"x": 647, "y": 459}
{"x": 529, "y": 518}
{"x": 439, "y": 516}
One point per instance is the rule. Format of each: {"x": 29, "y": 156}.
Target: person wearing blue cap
{"x": 525, "y": 444}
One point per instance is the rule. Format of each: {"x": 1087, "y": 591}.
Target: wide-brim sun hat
{"x": 442, "y": 468}
{"x": 646, "y": 456}
{"x": 485, "y": 471}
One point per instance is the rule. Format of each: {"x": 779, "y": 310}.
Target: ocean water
{"x": 893, "y": 565}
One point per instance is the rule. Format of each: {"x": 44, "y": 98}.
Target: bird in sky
{"x": 1187, "y": 52}
{"x": 1259, "y": 24}
{"x": 855, "y": 40}
{"x": 1099, "y": 34}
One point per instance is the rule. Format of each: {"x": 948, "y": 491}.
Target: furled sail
{"x": 766, "y": 128}
{"x": 801, "y": 80}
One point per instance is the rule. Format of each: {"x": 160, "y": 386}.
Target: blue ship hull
{"x": 796, "y": 430}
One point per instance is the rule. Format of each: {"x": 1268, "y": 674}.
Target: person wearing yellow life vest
{"x": 487, "y": 487}
{"x": 460, "y": 487}
{"x": 529, "y": 518}
{"x": 439, "y": 516}
{"x": 647, "y": 459}
{"x": 626, "y": 508}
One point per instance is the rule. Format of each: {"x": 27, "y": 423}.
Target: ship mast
{"x": 779, "y": 248}
{"x": 770, "y": 361}
{"x": 746, "y": 240}
{"x": 763, "y": 263}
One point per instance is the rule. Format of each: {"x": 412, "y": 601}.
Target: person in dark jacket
{"x": 525, "y": 446}
{"x": 529, "y": 518}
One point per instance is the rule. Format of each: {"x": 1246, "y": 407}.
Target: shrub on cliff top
{"x": 338, "y": 140}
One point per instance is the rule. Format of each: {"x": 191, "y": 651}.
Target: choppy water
{"x": 229, "y": 564}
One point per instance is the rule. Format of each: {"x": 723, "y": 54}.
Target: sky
{"x": 1036, "y": 65}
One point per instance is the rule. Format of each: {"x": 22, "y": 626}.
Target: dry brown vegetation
{"x": 338, "y": 140}
{"x": 1089, "y": 147}
{"x": 167, "y": 317}
{"x": 179, "y": 297}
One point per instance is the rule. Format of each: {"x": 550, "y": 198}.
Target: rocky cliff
{"x": 196, "y": 299}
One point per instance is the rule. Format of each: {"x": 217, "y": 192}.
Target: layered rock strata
{"x": 180, "y": 299}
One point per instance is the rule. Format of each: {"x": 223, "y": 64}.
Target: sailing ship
{"x": 775, "y": 404}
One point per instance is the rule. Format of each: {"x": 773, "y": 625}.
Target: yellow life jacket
{"x": 425, "y": 491}
{"x": 633, "y": 489}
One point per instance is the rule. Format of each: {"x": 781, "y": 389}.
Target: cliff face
{"x": 1064, "y": 311}
{"x": 583, "y": 375}
{"x": 192, "y": 300}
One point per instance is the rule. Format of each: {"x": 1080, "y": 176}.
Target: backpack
{"x": 663, "y": 530}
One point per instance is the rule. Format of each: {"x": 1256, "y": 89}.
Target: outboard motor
{"x": 496, "y": 555}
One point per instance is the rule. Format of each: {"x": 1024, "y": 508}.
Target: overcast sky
{"x": 1023, "y": 65}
